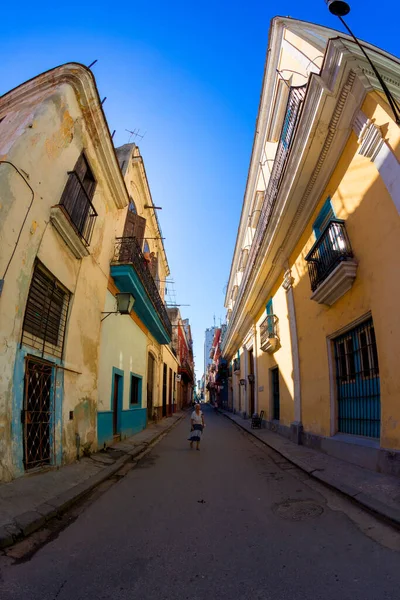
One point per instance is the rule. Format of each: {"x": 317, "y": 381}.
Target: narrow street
{"x": 234, "y": 520}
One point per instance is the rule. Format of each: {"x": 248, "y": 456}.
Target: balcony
{"x": 236, "y": 365}
{"x": 131, "y": 274}
{"x": 331, "y": 266}
{"x": 74, "y": 217}
{"x": 186, "y": 370}
{"x": 269, "y": 334}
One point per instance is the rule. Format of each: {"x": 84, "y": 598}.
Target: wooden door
{"x": 134, "y": 225}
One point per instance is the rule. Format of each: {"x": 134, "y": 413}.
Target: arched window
{"x": 132, "y": 207}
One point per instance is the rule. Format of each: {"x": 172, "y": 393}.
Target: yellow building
{"x": 313, "y": 331}
{"x": 137, "y": 375}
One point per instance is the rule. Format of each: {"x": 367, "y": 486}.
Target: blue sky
{"x": 189, "y": 75}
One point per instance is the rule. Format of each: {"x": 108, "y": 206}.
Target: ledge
{"x": 270, "y": 345}
{"x": 64, "y": 227}
{"x": 336, "y": 284}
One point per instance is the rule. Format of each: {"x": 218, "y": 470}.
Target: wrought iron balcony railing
{"x": 127, "y": 251}
{"x": 331, "y": 248}
{"x": 269, "y": 333}
{"x": 293, "y": 109}
{"x": 236, "y": 364}
{"x": 79, "y": 208}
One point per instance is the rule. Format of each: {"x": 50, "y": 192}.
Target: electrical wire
{"x": 7, "y": 162}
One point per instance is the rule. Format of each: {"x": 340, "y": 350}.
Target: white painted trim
{"x": 294, "y": 345}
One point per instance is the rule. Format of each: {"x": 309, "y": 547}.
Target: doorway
{"x": 164, "y": 391}
{"x": 275, "y": 394}
{"x": 150, "y": 386}
{"x": 251, "y": 379}
{"x": 117, "y": 402}
{"x": 38, "y": 414}
{"x": 170, "y": 393}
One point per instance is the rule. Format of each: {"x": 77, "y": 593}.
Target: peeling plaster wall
{"x": 44, "y": 139}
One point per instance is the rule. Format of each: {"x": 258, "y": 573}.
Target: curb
{"x": 30, "y": 521}
{"x": 386, "y": 513}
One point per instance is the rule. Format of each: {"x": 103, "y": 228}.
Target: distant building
{"x": 208, "y": 341}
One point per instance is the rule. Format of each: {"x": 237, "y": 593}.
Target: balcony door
{"x": 134, "y": 225}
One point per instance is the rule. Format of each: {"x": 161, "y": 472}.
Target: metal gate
{"x": 38, "y": 414}
{"x": 358, "y": 383}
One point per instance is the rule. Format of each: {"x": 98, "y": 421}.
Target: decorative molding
{"x": 336, "y": 284}
{"x": 64, "y": 227}
{"x": 270, "y": 345}
{"x": 370, "y": 140}
{"x": 288, "y": 280}
{"x": 82, "y": 81}
{"x": 390, "y": 80}
{"x": 360, "y": 120}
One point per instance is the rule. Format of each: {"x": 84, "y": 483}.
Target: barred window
{"x": 45, "y": 313}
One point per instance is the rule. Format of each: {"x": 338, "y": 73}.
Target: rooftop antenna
{"x": 135, "y": 134}
{"x": 214, "y": 321}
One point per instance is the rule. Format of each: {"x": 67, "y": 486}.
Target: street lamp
{"x": 125, "y": 302}
{"x": 340, "y": 9}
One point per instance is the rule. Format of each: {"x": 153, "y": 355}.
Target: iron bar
{"x": 331, "y": 248}
{"x": 79, "y": 208}
{"x": 128, "y": 250}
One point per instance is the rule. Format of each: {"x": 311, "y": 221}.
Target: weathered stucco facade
{"x": 135, "y": 347}
{"x": 45, "y": 126}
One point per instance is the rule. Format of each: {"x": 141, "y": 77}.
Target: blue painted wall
{"x": 17, "y": 428}
{"x": 104, "y": 427}
{"x": 130, "y": 421}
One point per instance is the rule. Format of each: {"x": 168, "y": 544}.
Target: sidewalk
{"x": 377, "y": 493}
{"x": 28, "y": 502}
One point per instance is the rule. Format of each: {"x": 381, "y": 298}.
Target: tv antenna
{"x": 135, "y": 134}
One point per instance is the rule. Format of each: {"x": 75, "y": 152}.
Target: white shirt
{"x": 197, "y": 418}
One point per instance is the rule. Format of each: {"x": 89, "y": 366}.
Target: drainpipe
{"x": 296, "y": 427}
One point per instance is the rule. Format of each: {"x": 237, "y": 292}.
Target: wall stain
{"x": 61, "y": 138}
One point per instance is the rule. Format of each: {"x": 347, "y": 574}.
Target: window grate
{"x": 358, "y": 383}
{"x": 46, "y": 313}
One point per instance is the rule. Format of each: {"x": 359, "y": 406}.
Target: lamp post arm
{"x": 392, "y": 101}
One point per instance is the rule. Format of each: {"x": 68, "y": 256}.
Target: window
{"x": 325, "y": 215}
{"x": 132, "y": 206}
{"x": 135, "y": 398}
{"x": 76, "y": 199}
{"x": 45, "y": 313}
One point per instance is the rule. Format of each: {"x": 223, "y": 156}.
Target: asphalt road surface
{"x": 233, "y": 521}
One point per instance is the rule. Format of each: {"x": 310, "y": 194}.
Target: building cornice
{"x": 332, "y": 102}
{"x": 82, "y": 81}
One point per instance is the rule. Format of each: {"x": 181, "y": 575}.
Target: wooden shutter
{"x": 45, "y": 313}
{"x": 135, "y": 227}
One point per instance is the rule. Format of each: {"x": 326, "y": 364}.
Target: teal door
{"x": 358, "y": 383}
